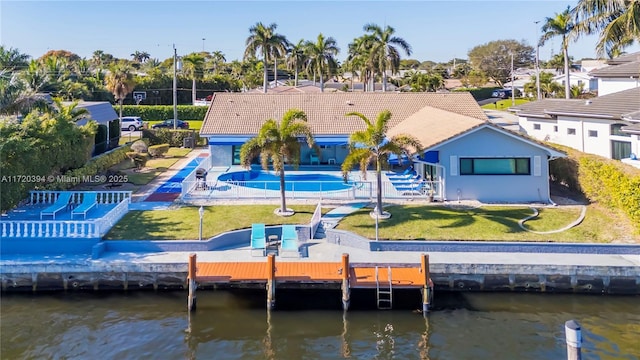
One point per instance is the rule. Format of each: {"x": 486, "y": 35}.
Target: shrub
{"x": 158, "y": 150}
{"x": 139, "y": 159}
{"x": 162, "y": 112}
{"x": 175, "y": 138}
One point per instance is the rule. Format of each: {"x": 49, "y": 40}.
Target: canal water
{"x": 235, "y": 325}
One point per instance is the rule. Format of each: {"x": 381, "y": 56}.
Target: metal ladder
{"x": 384, "y": 297}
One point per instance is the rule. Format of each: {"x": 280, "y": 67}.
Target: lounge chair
{"x": 89, "y": 201}
{"x": 407, "y": 172}
{"x": 61, "y": 203}
{"x": 289, "y": 241}
{"x": 417, "y": 188}
{"x": 258, "y": 238}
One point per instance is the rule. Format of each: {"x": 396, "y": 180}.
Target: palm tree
{"x": 120, "y": 81}
{"x": 194, "y": 68}
{"x": 263, "y": 39}
{"x": 140, "y": 56}
{"x": 217, "y": 59}
{"x": 372, "y": 146}
{"x": 277, "y": 142}
{"x": 15, "y": 97}
{"x": 12, "y": 59}
{"x": 296, "y": 57}
{"x": 384, "y": 52}
{"x": 359, "y": 58}
{"x": 616, "y": 21}
{"x": 70, "y": 112}
{"x": 322, "y": 57}
{"x": 560, "y": 25}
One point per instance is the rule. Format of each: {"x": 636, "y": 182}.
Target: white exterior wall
{"x": 607, "y": 86}
{"x": 490, "y": 143}
{"x": 221, "y": 155}
{"x": 598, "y": 145}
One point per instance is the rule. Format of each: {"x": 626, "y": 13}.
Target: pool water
{"x": 293, "y": 181}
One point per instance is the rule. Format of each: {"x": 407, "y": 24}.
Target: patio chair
{"x": 313, "y": 157}
{"x": 289, "y": 241}
{"x": 89, "y": 201}
{"x": 61, "y": 203}
{"x": 258, "y": 239}
{"x": 406, "y": 173}
{"x": 417, "y": 188}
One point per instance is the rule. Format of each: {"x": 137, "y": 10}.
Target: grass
{"x": 409, "y": 222}
{"x": 504, "y": 104}
{"x": 490, "y": 223}
{"x": 154, "y": 167}
{"x": 183, "y": 223}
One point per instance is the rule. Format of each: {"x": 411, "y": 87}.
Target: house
{"x": 622, "y": 73}
{"x": 603, "y": 125}
{"x": 472, "y": 157}
{"x": 587, "y": 81}
{"x": 103, "y": 113}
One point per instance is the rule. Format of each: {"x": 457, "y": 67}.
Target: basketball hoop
{"x": 138, "y": 96}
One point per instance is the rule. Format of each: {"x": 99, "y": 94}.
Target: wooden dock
{"x": 303, "y": 275}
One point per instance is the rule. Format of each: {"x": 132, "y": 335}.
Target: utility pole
{"x": 203, "y": 39}
{"x": 175, "y": 87}
{"x": 538, "y": 64}
{"x": 513, "y": 87}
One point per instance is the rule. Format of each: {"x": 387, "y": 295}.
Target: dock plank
{"x": 401, "y": 277}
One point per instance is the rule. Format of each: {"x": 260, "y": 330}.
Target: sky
{"x": 436, "y": 30}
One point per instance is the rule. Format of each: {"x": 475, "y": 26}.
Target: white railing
{"x": 93, "y": 228}
{"x": 189, "y": 183}
{"x": 316, "y": 218}
{"x": 49, "y": 228}
{"x": 103, "y": 197}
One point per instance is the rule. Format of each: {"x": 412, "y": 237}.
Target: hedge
{"x": 605, "y": 181}
{"x": 175, "y": 138}
{"x": 158, "y": 150}
{"x": 163, "y": 112}
{"x": 478, "y": 93}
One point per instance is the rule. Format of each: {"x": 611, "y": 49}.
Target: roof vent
{"x": 349, "y": 102}
{"x": 587, "y": 102}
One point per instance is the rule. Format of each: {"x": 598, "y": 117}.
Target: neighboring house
{"x": 588, "y": 82}
{"x": 590, "y": 65}
{"x": 473, "y": 158}
{"x": 622, "y": 73}
{"x": 103, "y": 113}
{"x": 593, "y": 126}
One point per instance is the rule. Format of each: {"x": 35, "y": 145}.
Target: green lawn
{"x": 154, "y": 166}
{"x": 409, "y": 222}
{"x": 489, "y": 223}
{"x": 504, "y": 104}
{"x": 183, "y": 223}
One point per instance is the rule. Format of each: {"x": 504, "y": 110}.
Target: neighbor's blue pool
{"x": 293, "y": 181}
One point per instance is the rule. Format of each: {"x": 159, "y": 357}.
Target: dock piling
{"x": 426, "y": 289}
{"x": 191, "y": 278}
{"x": 346, "y": 291}
{"x": 271, "y": 282}
{"x": 573, "y": 337}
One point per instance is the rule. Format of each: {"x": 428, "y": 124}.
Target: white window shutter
{"x": 537, "y": 166}
{"x": 453, "y": 165}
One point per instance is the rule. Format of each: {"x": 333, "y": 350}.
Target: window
{"x": 593, "y": 133}
{"x": 536, "y": 126}
{"x": 620, "y": 149}
{"x": 495, "y": 166}
{"x": 571, "y": 131}
{"x": 616, "y": 129}
{"x": 555, "y": 128}
{"x": 236, "y": 154}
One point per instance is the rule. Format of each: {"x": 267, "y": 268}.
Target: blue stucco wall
{"x": 488, "y": 142}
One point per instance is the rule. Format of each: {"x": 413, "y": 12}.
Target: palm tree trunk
{"x": 296, "y": 80}
{"x": 384, "y": 80}
{"x": 567, "y": 85}
{"x": 265, "y": 80}
{"x": 321, "y": 83}
{"x": 193, "y": 92}
{"x": 283, "y": 198}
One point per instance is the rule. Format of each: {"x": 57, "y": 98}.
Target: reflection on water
{"x": 230, "y": 325}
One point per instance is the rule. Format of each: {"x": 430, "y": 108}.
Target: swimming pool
{"x": 293, "y": 181}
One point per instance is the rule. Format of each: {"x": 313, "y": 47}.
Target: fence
{"x": 316, "y": 218}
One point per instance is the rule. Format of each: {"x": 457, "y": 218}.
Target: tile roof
{"x": 244, "y": 114}
{"x": 624, "y": 58}
{"x": 612, "y": 106}
{"x": 633, "y": 116}
{"x": 634, "y": 129}
{"x": 629, "y": 69}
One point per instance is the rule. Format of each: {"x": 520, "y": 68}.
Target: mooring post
{"x": 191, "y": 278}
{"x": 573, "y": 337}
{"x": 271, "y": 281}
{"x": 426, "y": 289}
{"x": 346, "y": 291}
